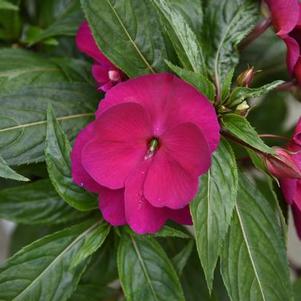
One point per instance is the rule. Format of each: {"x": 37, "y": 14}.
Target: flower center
{"x": 153, "y": 146}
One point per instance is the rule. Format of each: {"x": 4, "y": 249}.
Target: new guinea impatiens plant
{"x": 150, "y": 149}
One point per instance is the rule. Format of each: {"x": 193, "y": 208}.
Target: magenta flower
{"x": 291, "y": 187}
{"x": 286, "y": 18}
{"x": 152, "y": 138}
{"x": 105, "y": 73}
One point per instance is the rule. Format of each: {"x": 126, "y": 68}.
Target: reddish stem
{"x": 260, "y": 28}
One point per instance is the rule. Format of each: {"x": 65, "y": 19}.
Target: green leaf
{"x": 181, "y": 259}
{"x": 23, "y": 117}
{"x": 168, "y": 231}
{"x": 196, "y": 79}
{"x": 52, "y": 266}
{"x": 57, "y": 18}
{"x": 129, "y": 34}
{"x": 254, "y": 264}
{"x": 226, "y": 85}
{"x": 226, "y": 23}
{"x": 5, "y": 5}
{"x": 145, "y": 271}
{"x": 94, "y": 292}
{"x": 35, "y": 203}
{"x": 182, "y": 37}
{"x": 213, "y": 206}
{"x": 239, "y": 94}
{"x": 19, "y": 67}
{"x": 297, "y": 289}
{"x": 57, "y": 155}
{"x": 7, "y": 173}
{"x": 240, "y": 128}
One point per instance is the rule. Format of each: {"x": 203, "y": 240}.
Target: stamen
{"x": 152, "y": 147}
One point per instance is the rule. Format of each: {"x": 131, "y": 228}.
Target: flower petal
{"x": 181, "y": 216}
{"x": 293, "y": 52}
{"x": 288, "y": 187}
{"x": 86, "y": 44}
{"x": 169, "y": 100}
{"x": 111, "y": 205}
{"x": 141, "y": 216}
{"x": 119, "y": 143}
{"x": 297, "y": 219}
{"x": 79, "y": 174}
{"x": 297, "y": 134}
{"x": 285, "y": 14}
{"x": 172, "y": 179}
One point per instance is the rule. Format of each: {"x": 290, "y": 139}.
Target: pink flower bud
{"x": 282, "y": 165}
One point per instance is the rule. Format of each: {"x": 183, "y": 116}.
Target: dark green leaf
{"x": 226, "y": 23}
{"x": 52, "y": 266}
{"x": 180, "y": 260}
{"x": 182, "y": 37}
{"x": 24, "y": 235}
{"x": 213, "y": 206}
{"x": 239, "y": 94}
{"x": 57, "y": 155}
{"x": 226, "y": 85}
{"x": 145, "y": 271}
{"x": 23, "y": 117}
{"x": 240, "y": 128}
{"x": 8, "y": 173}
{"x": 35, "y": 203}
{"x": 129, "y": 34}
{"x": 102, "y": 269}
{"x": 94, "y": 292}
{"x": 254, "y": 264}
{"x": 196, "y": 79}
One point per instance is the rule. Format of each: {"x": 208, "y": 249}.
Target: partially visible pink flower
{"x": 152, "y": 138}
{"x": 105, "y": 73}
{"x": 282, "y": 164}
{"x": 291, "y": 187}
{"x": 286, "y": 18}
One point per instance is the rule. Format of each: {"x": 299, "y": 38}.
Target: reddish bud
{"x": 282, "y": 165}
{"x": 246, "y": 77}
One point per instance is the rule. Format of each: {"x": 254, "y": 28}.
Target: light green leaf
{"x": 213, "y": 206}
{"x": 182, "y": 37}
{"x": 297, "y": 289}
{"x": 239, "y": 94}
{"x": 226, "y": 23}
{"x": 129, "y": 34}
{"x": 146, "y": 272}
{"x": 23, "y": 117}
{"x": 240, "y": 128}
{"x": 200, "y": 82}
{"x": 7, "y": 173}
{"x": 181, "y": 259}
{"x": 226, "y": 85}
{"x": 6, "y": 5}
{"x": 50, "y": 268}
{"x": 254, "y": 264}
{"x": 35, "y": 203}
{"x": 57, "y": 155}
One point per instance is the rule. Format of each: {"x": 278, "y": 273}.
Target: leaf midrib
{"x": 37, "y": 123}
{"x": 144, "y": 268}
{"x": 130, "y": 38}
{"x": 65, "y": 250}
{"x": 249, "y": 251}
